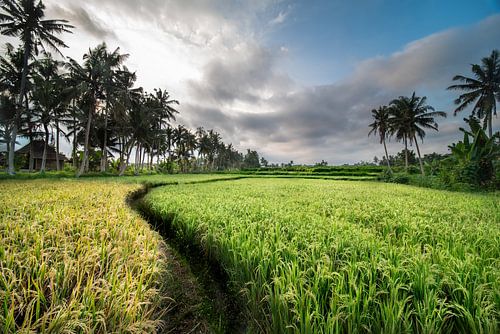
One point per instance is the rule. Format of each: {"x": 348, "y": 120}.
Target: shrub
{"x": 401, "y": 178}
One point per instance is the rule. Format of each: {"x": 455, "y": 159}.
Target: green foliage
{"x": 473, "y": 160}
{"x": 251, "y": 159}
{"x": 351, "y": 172}
{"x": 168, "y": 167}
{"x": 313, "y": 256}
{"x": 401, "y": 178}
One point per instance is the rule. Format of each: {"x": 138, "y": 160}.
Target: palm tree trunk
{"x": 104, "y": 157}
{"x": 30, "y": 135}
{"x": 387, "y": 157}
{"x": 137, "y": 158}
{"x": 143, "y": 158}
{"x": 45, "y": 144}
{"x": 490, "y": 125}
{"x": 419, "y": 157}
{"x": 74, "y": 135}
{"x": 24, "y": 76}
{"x": 125, "y": 164}
{"x": 57, "y": 146}
{"x": 32, "y": 151}
{"x": 406, "y": 154}
{"x": 83, "y": 166}
{"x": 151, "y": 155}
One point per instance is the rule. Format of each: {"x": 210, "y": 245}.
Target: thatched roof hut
{"x": 51, "y": 160}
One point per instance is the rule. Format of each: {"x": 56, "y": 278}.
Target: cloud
{"x": 331, "y": 121}
{"x": 211, "y": 55}
{"x": 279, "y": 19}
{"x": 81, "y": 19}
{"x": 246, "y": 73}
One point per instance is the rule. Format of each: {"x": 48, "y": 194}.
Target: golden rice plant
{"x": 75, "y": 258}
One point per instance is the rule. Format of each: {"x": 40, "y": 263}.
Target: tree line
{"x": 94, "y": 104}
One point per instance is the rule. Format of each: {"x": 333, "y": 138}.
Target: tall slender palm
{"x": 48, "y": 99}
{"x": 126, "y": 115}
{"x": 483, "y": 89}
{"x": 381, "y": 125}
{"x": 409, "y": 117}
{"x": 111, "y": 61}
{"x": 90, "y": 81}
{"x": 25, "y": 19}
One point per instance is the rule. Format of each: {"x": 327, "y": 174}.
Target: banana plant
{"x": 477, "y": 153}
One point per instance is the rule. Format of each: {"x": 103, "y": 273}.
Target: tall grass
{"x": 312, "y": 256}
{"x": 75, "y": 258}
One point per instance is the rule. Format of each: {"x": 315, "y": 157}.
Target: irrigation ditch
{"x": 203, "y": 301}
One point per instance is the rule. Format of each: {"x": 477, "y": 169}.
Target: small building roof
{"x": 38, "y": 146}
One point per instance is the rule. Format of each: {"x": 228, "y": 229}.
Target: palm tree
{"x": 89, "y": 78}
{"x": 111, "y": 61}
{"x": 24, "y": 19}
{"x": 409, "y": 117}
{"x": 483, "y": 89}
{"x": 126, "y": 112}
{"x": 381, "y": 125}
{"x": 7, "y": 114}
{"x": 159, "y": 107}
{"x": 49, "y": 100}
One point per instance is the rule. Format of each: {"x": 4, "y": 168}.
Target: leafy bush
{"x": 401, "y": 178}
{"x": 168, "y": 167}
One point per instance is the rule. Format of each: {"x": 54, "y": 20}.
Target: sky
{"x": 294, "y": 80}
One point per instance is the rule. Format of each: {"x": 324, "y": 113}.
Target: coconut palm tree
{"x": 381, "y": 125}
{"x": 409, "y": 117}
{"x": 483, "y": 89}
{"x": 7, "y": 114}
{"x": 90, "y": 80}
{"x": 48, "y": 99}
{"x": 112, "y": 62}
{"x": 126, "y": 115}
{"x": 25, "y": 19}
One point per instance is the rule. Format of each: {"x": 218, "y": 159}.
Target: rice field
{"x": 317, "y": 256}
{"x": 75, "y": 258}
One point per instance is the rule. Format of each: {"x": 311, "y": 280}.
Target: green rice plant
{"x": 316, "y": 256}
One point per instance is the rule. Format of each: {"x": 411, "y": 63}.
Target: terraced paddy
{"x": 299, "y": 255}
{"x": 75, "y": 258}
{"x": 316, "y": 256}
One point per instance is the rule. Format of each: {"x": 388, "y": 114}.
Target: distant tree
{"x": 25, "y": 19}
{"x": 405, "y": 156}
{"x": 321, "y": 164}
{"x": 483, "y": 89}
{"x": 381, "y": 125}
{"x": 409, "y": 117}
{"x": 251, "y": 159}
{"x": 263, "y": 162}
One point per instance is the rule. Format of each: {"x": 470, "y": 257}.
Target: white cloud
{"x": 279, "y": 19}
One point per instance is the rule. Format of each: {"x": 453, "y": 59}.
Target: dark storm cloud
{"x": 82, "y": 19}
{"x": 332, "y": 120}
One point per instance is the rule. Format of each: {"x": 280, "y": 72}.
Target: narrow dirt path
{"x": 199, "y": 300}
